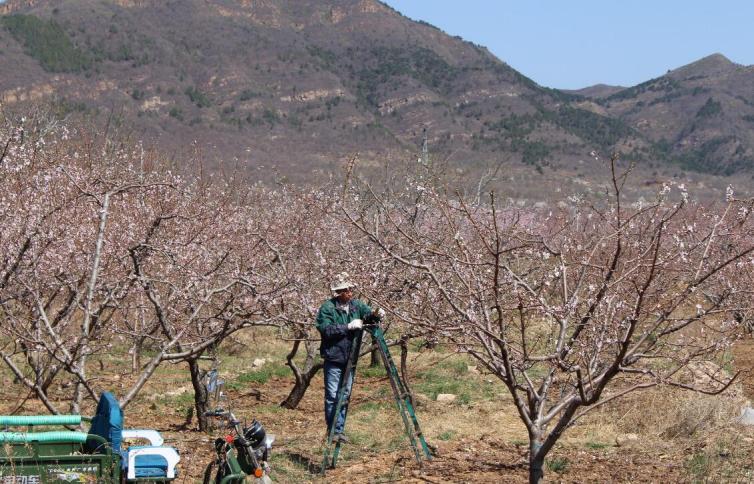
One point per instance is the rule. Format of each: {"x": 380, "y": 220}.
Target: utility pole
{"x": 424, "y": 158}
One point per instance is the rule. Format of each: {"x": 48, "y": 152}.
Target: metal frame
{"x": 402, "y": 400}
{"x": 31, "y": 457}
{"x": 58, "y": 461}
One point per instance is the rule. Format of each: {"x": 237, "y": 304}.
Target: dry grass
{"x": 697, "y": 433}
{"x": 691, "y": 434}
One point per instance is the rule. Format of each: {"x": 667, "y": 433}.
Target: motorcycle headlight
{"x": 255, "y": 434}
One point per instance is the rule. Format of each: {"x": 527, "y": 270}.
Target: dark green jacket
{"x": 332, "y": 325}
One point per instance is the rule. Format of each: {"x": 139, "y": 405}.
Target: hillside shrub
{"x": 47, "y": 42}
{"x": 390, "y": 63}
{"x": 660, "y": 84}
{"x": 601, "y": 131}
{"x": 177, "y": 113}
{"x": 699, "y": 159}
{"x": 710, "y": 109}
{"x": 271, "y": 117}
{"x": 197, "y": 97}
{"x": 249, "y": 94}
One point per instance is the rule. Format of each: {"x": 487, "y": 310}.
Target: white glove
{"x": 381, "y": 313}
{"x": 356, "y": 324}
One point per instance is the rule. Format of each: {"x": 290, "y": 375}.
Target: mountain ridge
{"x": 301, "y": 85}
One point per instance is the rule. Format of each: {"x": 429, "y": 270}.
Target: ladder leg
{"x": 408, "y": 407}
{"x": 402, "y": 399}
{"x": 348, "y": 373}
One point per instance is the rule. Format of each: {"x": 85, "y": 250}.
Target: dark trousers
{"x": 333, "y": 374}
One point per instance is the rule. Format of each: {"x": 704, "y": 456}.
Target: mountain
{"x": 701, "y": 115}
{"x": 596, "y": 91}
{"x": 292, "y": 87}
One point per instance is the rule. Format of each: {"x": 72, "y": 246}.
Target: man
{"x": 337, "y": 320}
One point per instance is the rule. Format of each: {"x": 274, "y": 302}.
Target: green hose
{"x": 25, "y": 437}
{"x": 232, "y": 477}
{"x": 11, "y": 420}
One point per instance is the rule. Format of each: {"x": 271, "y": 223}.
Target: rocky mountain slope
{"x": 292, "y": 87}
{"x": 701, "y": 114}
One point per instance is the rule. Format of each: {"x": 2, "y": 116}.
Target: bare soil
{"x": 477, "y": 442}
{"x": 487, "y": 458}
{"x": 743, "y": 354}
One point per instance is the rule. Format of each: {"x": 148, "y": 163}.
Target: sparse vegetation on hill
{"x": 47, "y": 42}
{"x": 321, "y": 86}
{"x": 710, "y": 109}
{"x": 599, "y": 131}
{"x": 385, "y": 66}
{"x": 658, "y": 85}
{"x": 513, "y": 132}
{"x": 199, "y": 98}
{"x": 737, "y": 160}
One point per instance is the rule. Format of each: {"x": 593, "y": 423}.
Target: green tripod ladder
{"x": 400, "y": 392}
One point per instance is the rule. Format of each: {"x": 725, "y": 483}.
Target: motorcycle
{"x": 243, "y": 452}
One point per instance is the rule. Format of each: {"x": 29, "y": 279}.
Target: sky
{"x": 570, "y": 44}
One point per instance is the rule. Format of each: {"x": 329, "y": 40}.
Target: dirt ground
{"x": 476, "y": 441}
{"x": 489, "y": 457}
{"x": 743, "y": 354}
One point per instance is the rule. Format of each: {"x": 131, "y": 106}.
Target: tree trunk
{"x": 78, "y": 396}
{"x": 303, "y": 377}
{"x": 201, "y": 396}
{"x": 136, "y": 355}
{"x": 299, "y": 388}
{"x": 374, "y": 357}
{"x": 404, "y": 370}
{"x": 536, "y": 461}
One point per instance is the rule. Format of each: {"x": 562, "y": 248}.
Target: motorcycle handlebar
{"x": 218, "y": 413}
